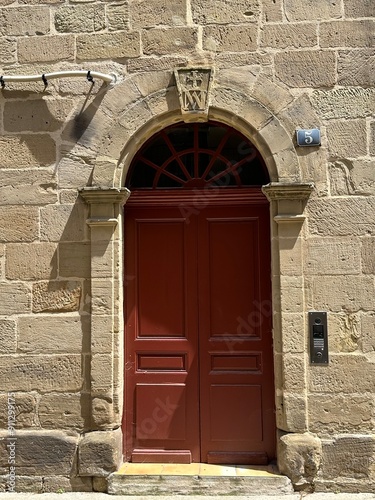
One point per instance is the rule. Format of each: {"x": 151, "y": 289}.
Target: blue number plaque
{"x": 308, "y": 137}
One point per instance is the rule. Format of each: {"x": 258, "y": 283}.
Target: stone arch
{"x": 129, "y": 114}
{"x": 141, "y": 106}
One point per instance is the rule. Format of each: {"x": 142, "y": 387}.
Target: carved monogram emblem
{"x": 193, "y": 87}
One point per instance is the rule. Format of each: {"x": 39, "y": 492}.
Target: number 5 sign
{"x": 308, "y": 137}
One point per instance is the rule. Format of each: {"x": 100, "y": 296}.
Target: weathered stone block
{"x": 146, "y": 64}
{"x": 65, "y": 411}
{"x": 291, "y": 294}
{"x": 22, "y": 21}
{"x": 295, "y": 412}
{"x": 18, "y": 224}
{"x": 118, "y": 17}
{"x": 75, "y": 259}
{"x": 8, "y": 49}
{"x": 7, "y": 336}
{"x": 80, "y": 18}
{"x": 306, "y": 68}
{"x": 74, "y": 172}
{"x": 108, "y": 46}
{"x": 29, "y": 262}
{"x": 41, "y": 452}
{"x": 345, "y": 332}
{"x": 273, "y": 96}
{"x": 290, "y": 255}
{"x": 368, "y": 255}
{"x": 372, "y": 138}
{"x": 14, "y": 298}
{"x": 356, "y": 67}
{"x": 101, "y": 373}
{"x": 342, "y": 216}
{"x": 24, "y": 484}
{"x": 25, "y": 407}
{"x": 102, "y": 335}
{"x": 312, "y": 10}
{"x": 293, "y": 333}
{"x": 337, "y": 413}
{"x": 224, "y": 11}
{"x": 294, "y": 373}
{"x": 150, "y": 13}
{"x": 299, "y": 114}
{"x": 27, "y": 151}
{"x": 56, "y": 296}
{"x": 349, "y": 456}
{"x": 43, "y": 373}
{"x": 348, "y": 293}
{"x": 368, "y": 333}
{"x": 102, "y": 413}
{"x": 100, "y": 453}
{"x": 102, "y": 296}
{"x": 365, "y": 8}
{"x": 20, "y": 187}
{"x": 347, "y": 34}
{"x": 272, "y": 11}
{"x": 283, "y": 35}
{"x": 227, "y": 38}
{"x": 344, "y": 103}
{"x": 37, "y": 115}
{"x": 238, "y": 59}
{"x": 57, "y": 484}
{"x": 333, "y": 256}
{"x": 40, "y": 49}
{"x": 346, "y": 373}
{"x": 161, "y": 41}
{"x": 348, "y": 177}
{"x": 299, "y": 457}
{"x": 63, "y": 222}
{"x": 100, "y": 484}
{"x": 52, "y": 334}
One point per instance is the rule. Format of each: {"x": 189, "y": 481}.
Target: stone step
{"x": 197, "y": 479}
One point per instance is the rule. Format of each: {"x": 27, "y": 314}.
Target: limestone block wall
{"x": 279, "y": 65}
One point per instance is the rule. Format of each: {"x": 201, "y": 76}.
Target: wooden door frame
{"x": 193, "y": 201}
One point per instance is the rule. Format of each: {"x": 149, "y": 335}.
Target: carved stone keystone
{"x": 194, "y": 86}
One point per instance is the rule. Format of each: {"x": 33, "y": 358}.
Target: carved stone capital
{"x": 289, "y": 201}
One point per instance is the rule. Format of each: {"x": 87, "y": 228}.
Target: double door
{"x": 198, "y": 348}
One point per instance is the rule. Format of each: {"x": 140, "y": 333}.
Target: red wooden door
{"x": 198, "y": 371}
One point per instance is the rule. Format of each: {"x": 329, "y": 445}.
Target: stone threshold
{"x": 197, "y": 479}
{"x": 197, "y": 469}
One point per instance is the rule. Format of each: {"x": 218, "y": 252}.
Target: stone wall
{"x": 279, "y": 65}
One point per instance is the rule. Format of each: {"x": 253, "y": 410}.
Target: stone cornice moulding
{"x": 281, "y": 191}
{"x": 96, "y": 195}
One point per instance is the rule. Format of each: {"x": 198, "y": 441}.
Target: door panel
{"x": 199, "y": 367}
{"x": 161, "y": 370}
{"x": 236, "y": 376}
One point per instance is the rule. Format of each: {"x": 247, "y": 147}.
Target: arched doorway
{"x": 198, "y": 350}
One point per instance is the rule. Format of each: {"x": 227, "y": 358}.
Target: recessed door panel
{"x": 161, "y": 300}
{"x": 233, "y": 278}
{"x": 160, "y": 413}
{"x": 242, "y": 410}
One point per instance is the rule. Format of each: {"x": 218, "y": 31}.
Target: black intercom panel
{"x": 318, "y": 334}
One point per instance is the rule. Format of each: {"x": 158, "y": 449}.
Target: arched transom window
{"x": 197, "y": 155}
